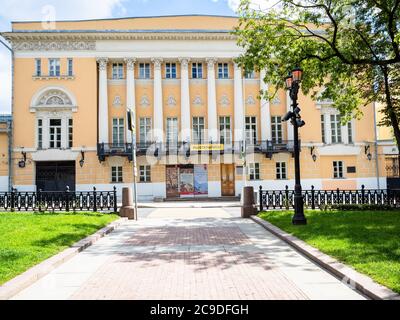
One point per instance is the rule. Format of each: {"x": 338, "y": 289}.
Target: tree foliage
{"x": 348, "y": 47}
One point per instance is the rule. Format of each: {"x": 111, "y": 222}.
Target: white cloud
{"x": 255, "y": 4}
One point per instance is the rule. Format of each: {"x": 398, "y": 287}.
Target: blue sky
{"x": 18, "y": 10}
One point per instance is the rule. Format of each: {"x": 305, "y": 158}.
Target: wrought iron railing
{"x": 96, "y": 201}
{"x": 284, "y": 199}
{"x": 114, "y": 149}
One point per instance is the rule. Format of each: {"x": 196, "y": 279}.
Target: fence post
{"x": 94, "y": 199}
{"x": 13, "y": 199}
{"x": 312, "y": 198}
{"x": 67, "y": 198}
{"x": 39, "y": 200}
{"x": 337, "y": 196}
{"x": 287, "y": 197}
{"x": 115, "y": 200}
{"x": 362, "y": 194}
{"x": 260, "y": 198}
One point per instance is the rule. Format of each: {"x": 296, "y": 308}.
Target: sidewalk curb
{"x": 360, "y": 282}
{"x": 24, "y": 280}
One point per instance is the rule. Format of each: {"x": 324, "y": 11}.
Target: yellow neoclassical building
{"x": 195, "y": 112}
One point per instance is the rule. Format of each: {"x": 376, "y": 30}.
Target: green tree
{"x": 349, "y": 47}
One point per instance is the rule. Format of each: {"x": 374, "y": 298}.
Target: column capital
{"x": 236, "y": 66}
{"x": 130, "y": 63}
{"x": 184, "y": 63}
{"x": 157, "y": 63}
{"x": 211, "y": 62}
{"x": 102, "y": 63}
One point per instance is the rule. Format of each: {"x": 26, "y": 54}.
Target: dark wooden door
{"x": 228, "y": 180}
{"x": 55, "y": 176}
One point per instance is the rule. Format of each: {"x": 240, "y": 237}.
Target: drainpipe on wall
{"x": 10, "y": 125}
{"x": 376, "y": 148}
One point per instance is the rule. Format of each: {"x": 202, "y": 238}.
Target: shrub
{"x": 362, "y": 207}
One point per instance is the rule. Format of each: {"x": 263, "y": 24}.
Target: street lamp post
{"x": 293, "y": 85}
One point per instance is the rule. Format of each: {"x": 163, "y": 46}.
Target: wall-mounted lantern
{"x": 313, "y": 155}
{"x": 82, "y": 161}
{"x": 22, "y": 163}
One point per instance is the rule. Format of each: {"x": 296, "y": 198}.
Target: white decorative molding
{"x": 53, "y": 98}
{"x": 130, "y": 63}
{"x": 250, "y": 100}
{"x": 157, "y": 63}
{"x": 144, "y": 101}
{"x": 339, "y": 150}
{"x": 184, "y": 63}
{"x": 117, "y": 101}
{"x": 211, "y": 63}
{"x": 224, "y": 101}
{"x": 171, "y": 101}
{"x": 55, "y": 155}
{"x": 197, "y": 101}
{"x": 102, "y": 63}
{"x": 54, "y": 45}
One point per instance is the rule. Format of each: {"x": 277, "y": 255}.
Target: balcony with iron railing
{"x": 268, "y": 148}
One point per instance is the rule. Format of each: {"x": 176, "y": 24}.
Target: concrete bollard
{"x": 248, "y": 204}
{"x": 128, "y": 209}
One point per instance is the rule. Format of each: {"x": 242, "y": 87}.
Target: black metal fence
{"x": 96, "y": 201}
{"x": 314, "y": 199}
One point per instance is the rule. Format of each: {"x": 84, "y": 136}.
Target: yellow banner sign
{"x": 207, "y": 147}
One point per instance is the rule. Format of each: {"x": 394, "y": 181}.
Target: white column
{"x": 345, "y": 134}
{"x": 212, "y": 101}
{"x": 185, "y": 101}
{"x": 238, "y": 104}
{"x": 328, "y": 132}
{"x": 103, "y": 101}
{"x": 158, "y": 101}
{"x": 289, "y": 126}
{"x": 266, "y": 133}
{"x": 130, "y": 93}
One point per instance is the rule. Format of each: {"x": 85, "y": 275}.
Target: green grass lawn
{"x": 369, "y": 241}
{"x": 27, "y": 239}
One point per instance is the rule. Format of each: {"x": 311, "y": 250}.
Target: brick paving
{"x": 188, "y": 253}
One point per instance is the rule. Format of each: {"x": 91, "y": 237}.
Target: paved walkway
{"x": 189, "y": 253}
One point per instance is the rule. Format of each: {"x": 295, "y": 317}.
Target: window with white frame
{"x": 197, "y": 70}
{"x": 117, "y": 71}
{"x": 336, "y": 128}
{"x": 118, "y": 131}
{"x": 54, "y": 67}
{"x": 350, "y": 131}
{"x": 198, "y": 130}
{"x": 276, "y": 129}
{"x": 338, "y": 169}
{"x": 281, "y": 173}
{"x": 55, "y": 133}
{"x": 223, "y": 71}
{"x": 225, "y": 131}
{"x": 144, "y": 70}
{"x": 251, "y": 130}
{"x": 144, "y": 130}
{"x": 323, "y": 128}
{"x": 145, "y": 173}
{"x": 116, "y": 174}
{"x": 254, "y": 171}
{"x": 40, "y": 133}
{"x": 70, "y": 133}
{"x": 172, "y": 130}
{"x": 250, "y": 74}
{"x": 70, "y": 67}
{"x": 170, "y": 70}
{"x": 38, "y": 67}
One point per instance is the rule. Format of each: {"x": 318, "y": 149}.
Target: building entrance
{"x": 55, "y": 176}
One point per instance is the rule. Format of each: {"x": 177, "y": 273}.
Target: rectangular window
{"x": 118, "y": 131}
{"x": 225, "y": 132}
{"x": 350, "y": 131}
{"x": 197, "y": 70}
{"x": 145, "y": 173}
{"x": 254, "y": 171}
{"x": 55, "y": 133}
{"x": 70, "y": 133}
{"x": 336, "y": 128}
{"x": 281, "y": 171}
{"x": 144, "y": 130}
{"x": 276, "y": 129}
{"x": 323, "y": 128}
{"x": 40, "y": 133}
{"x": 251, "y": 130}
{"x": 54, "y": 67}
{"x": 338, "y": 169}
{"x": 170, "y": 70}
{"x": 172, "y": 130}
{"x": 116, "y": 174}
{"x": 223, "y": 71}
{"x": 38, "y": 67}
{"x": 117, "y": 71}
{"x": 198, "y": 130}
{"x": 70, "y": 67}
{"x": 144, "y": 70}
{"x": 250, "y": 74}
